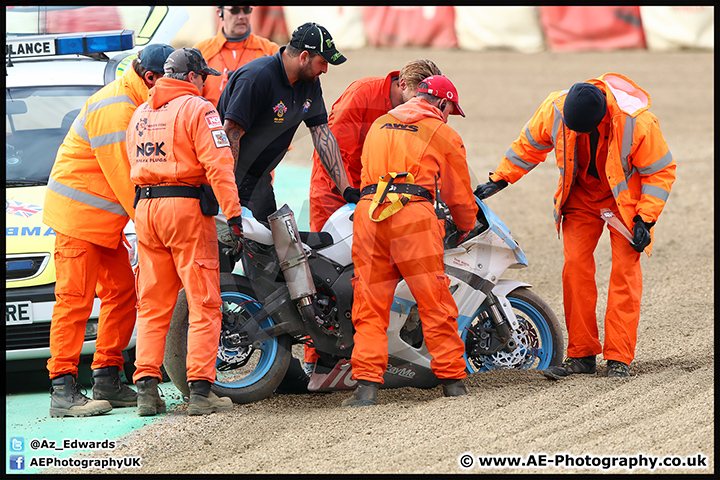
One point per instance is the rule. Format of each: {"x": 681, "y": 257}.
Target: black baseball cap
{"x": 186, "y": 60}
{"x": 153, "y": 56}
{"x": 315, "y": 38}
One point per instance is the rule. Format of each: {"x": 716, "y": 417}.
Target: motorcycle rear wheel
{"x": 540, "y": 340}
{"x": 264, "y": 367}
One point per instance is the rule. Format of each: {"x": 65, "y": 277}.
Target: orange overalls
{"x": 350, "y": 119}
{"x": 88, "y": 203}
{"x": 410, "y": 138}
{"x": 226, "y": 57}
{"x": 176, "y": 138}
{"x": 636, "y": 171}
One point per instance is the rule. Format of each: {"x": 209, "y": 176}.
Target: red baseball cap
{"x": 440, "y": 86}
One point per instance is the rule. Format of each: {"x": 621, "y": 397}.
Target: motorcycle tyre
{"x": 524, "y": 294}
{"x": 176, "y": 349}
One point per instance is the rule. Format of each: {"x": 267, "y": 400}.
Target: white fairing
{"x": 340, "y": 226}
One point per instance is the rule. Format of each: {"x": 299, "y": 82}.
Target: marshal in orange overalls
{"x": 410, "y": 138}
{"x": 635, "y": 174}
{"x": 176, "y": 138}
{"x": 89, "y": 201}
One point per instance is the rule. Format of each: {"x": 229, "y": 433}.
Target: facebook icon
{"x": 17, "y": 462}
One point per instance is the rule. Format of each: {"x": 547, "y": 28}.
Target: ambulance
{"x": 51, "y": 70}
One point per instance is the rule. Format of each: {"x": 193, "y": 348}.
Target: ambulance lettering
{"x": 28, "y": 232}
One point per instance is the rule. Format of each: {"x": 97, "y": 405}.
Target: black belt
{"x": 156, "y": 191}
{"x": 409, "y": 188}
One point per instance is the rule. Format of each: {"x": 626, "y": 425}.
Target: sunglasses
{"x": 203, "y": 75}
{"x": 247, "y": 10}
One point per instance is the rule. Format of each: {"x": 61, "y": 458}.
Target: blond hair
{"x": 415, "y": 71}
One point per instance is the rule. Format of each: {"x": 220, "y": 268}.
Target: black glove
{"x": 351, "y": 195}
{"x": 485, "y": 190}
{"x": 236, "y": 232}
{"x": 641, "y": 234}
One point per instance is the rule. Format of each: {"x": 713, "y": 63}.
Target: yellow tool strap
{"x": 397, "y": 200}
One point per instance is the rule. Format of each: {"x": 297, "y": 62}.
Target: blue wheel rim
{"x": 526, "y": 315}
{"x": 268, "y": 350}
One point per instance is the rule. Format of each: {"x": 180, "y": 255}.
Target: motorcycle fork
{"x": 502, "y": 326}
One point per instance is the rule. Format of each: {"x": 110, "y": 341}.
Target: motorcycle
{"x": 295, "y": 289}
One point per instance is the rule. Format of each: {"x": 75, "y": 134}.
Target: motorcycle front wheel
{"x": 539, "y": 339}
{"x": 245, "y": 374}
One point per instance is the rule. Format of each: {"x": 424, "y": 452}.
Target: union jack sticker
{"x": 22, "y": 209}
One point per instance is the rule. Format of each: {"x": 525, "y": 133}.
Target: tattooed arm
{"x": 234, "y": 132}
{"x": 329, "y": 152}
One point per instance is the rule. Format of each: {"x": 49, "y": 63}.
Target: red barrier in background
{"x": 410, "y": 26}
{"x": 269, "y": 22}
{"x": 87, "y": 19}
{"x": 592, "y": 28}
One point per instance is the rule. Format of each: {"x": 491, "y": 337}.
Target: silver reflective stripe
{"x": 657, "y": 165}
{"x": 556, "y": 123}
{"x": 79, "y": 125}
{"x": 536, "y": 145}
{"x": 109, "y": 101}
{"x": 108, "y": 139}
{"x": 656, "y": 192}
{"x": 86, "y": 198}
{"x": 620, "y": 187}
{"x": 627, "y": 143}
{"x": 516, "y": 160}
{"x": 100, "y": 141}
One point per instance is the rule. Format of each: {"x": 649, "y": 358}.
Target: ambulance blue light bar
{"x": 69, "y": 44}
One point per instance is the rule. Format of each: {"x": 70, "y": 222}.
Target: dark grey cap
{"x": 153, "y": 56}
{"x": 186, "y": 60}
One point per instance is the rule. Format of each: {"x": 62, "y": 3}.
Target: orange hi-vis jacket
{"x": 640, "y": 168}
{"x": 428, "y": 148}
{"x": 162, "y": 153}
{"x": 226, "y": 57}
{"x": 90, "y": 195}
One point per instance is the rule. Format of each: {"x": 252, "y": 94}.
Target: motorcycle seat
{"x": 316, "y": 240}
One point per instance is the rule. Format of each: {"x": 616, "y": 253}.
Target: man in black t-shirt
{"x": 262, "y": 107}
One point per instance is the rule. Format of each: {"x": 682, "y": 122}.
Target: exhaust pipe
{"x": 293, "y": 260}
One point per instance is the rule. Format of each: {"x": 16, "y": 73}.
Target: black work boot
{"x": 617, "y": 369}
{"x": 453, "y": 387}
{"x": 203, "y": 401}
{"x": 108, "y": 386}
{"x": 570, "y": 366}
{"x": 67, "y": 401}
{"x": 364, "y": 395}
{"x": 149, "y": 402}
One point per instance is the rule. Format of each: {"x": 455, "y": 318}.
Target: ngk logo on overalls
{"x": 151, "y": 151}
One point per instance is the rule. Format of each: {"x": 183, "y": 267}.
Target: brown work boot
{"x": 67, "y": 401}
{"x": 203, "y": 401}
{"x": 453, "y": 387}
{"x": 108, "y": 386}
{"x": 364, "y": 395}
{"x": 149, "y": 402}
{"x": 570, "y": 366}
